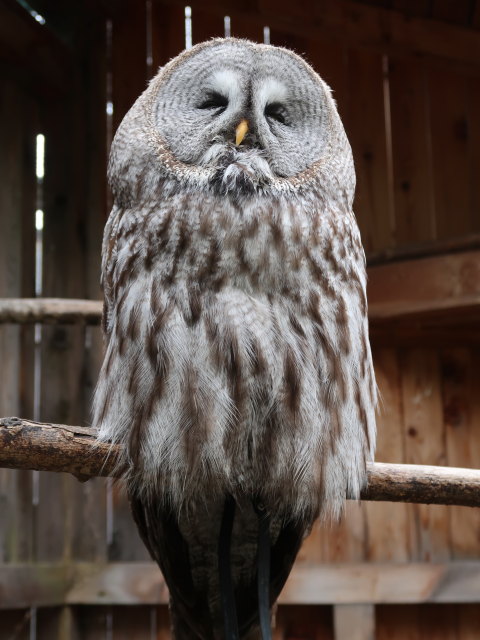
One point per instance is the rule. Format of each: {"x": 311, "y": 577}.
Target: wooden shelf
{"x": 140, "y": 583}
{"x": 429, "y": 299}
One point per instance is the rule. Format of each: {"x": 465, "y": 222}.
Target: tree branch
{"x": 50, "y": 310}
{"x": 51, "y": 447}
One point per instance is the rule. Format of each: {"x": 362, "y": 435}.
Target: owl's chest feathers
{"x": 262, "y": 247}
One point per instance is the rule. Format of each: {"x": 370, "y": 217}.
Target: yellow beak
{"x": 241, "y": 131}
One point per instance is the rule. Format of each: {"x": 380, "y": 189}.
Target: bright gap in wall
{"x": 39, "y": 218}
{"x": 227, "y": 26}
{"x": 188, "y": 27}
{"x": 35, "y": 15}
{"x": 149, "y": 38}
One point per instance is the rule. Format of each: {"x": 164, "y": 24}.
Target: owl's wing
{"x": 192, "y": 617}
{"x": 282, "y": 556}
{"x": 109, "y": 260}
{"x": 161, "y": 535}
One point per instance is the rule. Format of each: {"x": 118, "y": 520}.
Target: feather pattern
{"x": 235, "y": 315}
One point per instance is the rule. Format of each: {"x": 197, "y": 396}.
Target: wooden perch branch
{"x": 50, "y": 310}
{"x": 48, "y": 447}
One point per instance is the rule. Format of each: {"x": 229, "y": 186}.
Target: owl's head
{"x": 235, "y": 116}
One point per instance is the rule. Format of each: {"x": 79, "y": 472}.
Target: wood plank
{"x": 354, "y": 622}
{"x": 468, "y": 621}
{"x": 168, "y": 38}
{"x": 425, "y": 442}
{"x": 17, "y": 141}
{"x": 57, "y": 622}
{"x": 131, "y": 583}
{"x": 162, "y": 623}
{"x": 293, "y": 41}
{"x": 136, "y": 624}
{"x": 297, "y": 622}
{"x": 375, "y": 583}
{"x": 417, "y": 622}
{"x": 61, "y": 392}
{"x": 94, "y": 623}
{"x": 387, "y": 523}
{"x": 30, "y": 53}
{"x": 451, "y": 322}
{"x": 435, "y": 278}
{"x": 330, "y": 61}
{"x": 121, "y": 583}
{"x": 412, "y": 159}
{"x": 129, "y": 56}
{"x": 41, "y": 585}
{"x": 452, "y": 11}
{"x": 425, "y": 250}
{"x": 436, "y": 283}
{"x": 450, "y": 150}
{"x": 125, "y": 543}
{"x": 473, "y": 106}
{"x": 206, "y": 25}
{"x": 141, "y": 583}
{"x": 88, "y": 521}
{"x": 413, "y": 7}
{"x": 15, "y": 624}
{"x": 366, "y": 131}
{"x": 359, "y": 25}
{"x": 461, "y": 414}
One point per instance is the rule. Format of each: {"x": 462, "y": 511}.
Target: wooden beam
{"x": 47, "y": 447}
{"x": 358, "y": 25}
{"x": 26, "y": 585}
{"x": 140, "y": 583}
{"x": 435, "y": 300}
{"x": 383, "y": 583}
{"x": 354, "y": 622}
{"x": 432, "y": 280}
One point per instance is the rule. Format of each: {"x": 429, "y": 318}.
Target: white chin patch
{"x": 237, "y": 168}
{"x": 254, "y": 169}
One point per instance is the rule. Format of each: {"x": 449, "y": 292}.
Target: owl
{"x": 237, "y": 375}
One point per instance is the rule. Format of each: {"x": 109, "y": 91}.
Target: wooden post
{"x": 354, "y": 622}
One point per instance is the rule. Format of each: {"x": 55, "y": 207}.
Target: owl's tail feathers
{"x": 225, "y": 571}
{"x": 227, "y": 593}
{"x": 263, "y": 568}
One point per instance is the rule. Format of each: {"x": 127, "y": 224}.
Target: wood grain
{"x": 141, "y": 583}
{"x": 387, "y": 522}
{"x": 425, "y": 443}
{"x": 374, "y": 28}
{"x": 412, "y": 161}
{"x": 354, "y": 621}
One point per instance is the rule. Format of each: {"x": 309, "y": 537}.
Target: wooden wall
{"x": 409, "y": 95}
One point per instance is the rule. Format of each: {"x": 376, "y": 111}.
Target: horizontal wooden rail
{"x": 443, "y": 313}
{"x": 140, "y": 583}
{"x": 48, "y": 447}
{"x": 50, "y": 311}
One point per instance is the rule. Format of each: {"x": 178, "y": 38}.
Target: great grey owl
{"x": 238, "y": 373}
